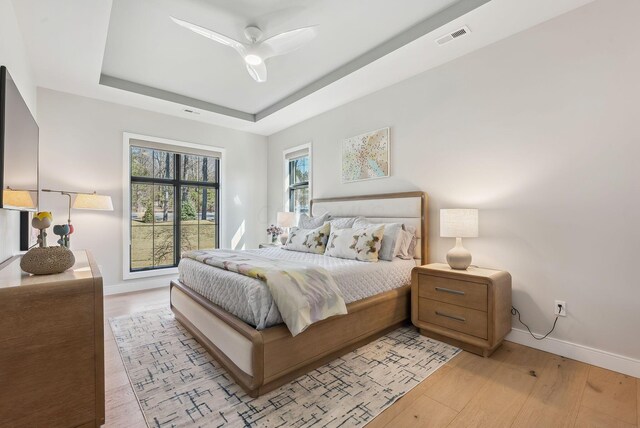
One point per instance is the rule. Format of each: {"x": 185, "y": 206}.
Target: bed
{"x": 261, "y": 356}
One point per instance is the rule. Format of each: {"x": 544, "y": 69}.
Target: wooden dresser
{"x": 469, "y": 308}
{"x": 51, "y": 346}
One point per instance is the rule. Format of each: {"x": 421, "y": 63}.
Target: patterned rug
{"x": 178, "y": 384}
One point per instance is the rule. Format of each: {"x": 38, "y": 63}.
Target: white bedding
{"x": 249, "y": 299}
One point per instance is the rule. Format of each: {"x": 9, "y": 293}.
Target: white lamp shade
{"x": 93, "y": 201}
{"x": 459, "y": 223}
{"x": 17, "y": 198}
{"x": 286, "y": 219}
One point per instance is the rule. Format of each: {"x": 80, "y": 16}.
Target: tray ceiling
{"x": 70, "y": 43}
{"x": 148, "y": 53}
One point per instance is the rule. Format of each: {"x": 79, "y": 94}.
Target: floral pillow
{"x": 356, "y": 244}
{"x": 389, "y": 240}
{"x": 308, "y": 240}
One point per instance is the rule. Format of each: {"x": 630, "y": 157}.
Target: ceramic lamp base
{"x": 459, "y": 257}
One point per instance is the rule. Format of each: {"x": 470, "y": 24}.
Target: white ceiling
{"x": 67, "y": 39}
{"x": 144, "y": 46}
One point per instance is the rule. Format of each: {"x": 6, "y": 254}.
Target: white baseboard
{"x": 596, "y": 357}
{"x": 131, "y": 286}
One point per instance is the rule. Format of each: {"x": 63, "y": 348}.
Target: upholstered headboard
{"x": 409, "y": 208}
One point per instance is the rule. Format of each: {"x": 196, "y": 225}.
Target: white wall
{"x": 541, "y": 133}
{"x": 81, "y": 149}
{"x": 14, "y": 57}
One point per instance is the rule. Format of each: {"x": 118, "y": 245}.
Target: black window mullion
{"x": 301, "y": 185}
{"x": 177, "y": 209}
{"x": 151, "y": 180}
{"x": 216, "y": 226}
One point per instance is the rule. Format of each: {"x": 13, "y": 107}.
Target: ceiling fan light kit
{"x": 256, "y": 52}
{"x": 253, "y": 59}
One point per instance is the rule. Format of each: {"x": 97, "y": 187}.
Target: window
{"x": 298, "y": 173}
{"x": 174, "y": 205}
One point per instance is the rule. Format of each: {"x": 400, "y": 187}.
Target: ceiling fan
{"x": 255, "y": 52}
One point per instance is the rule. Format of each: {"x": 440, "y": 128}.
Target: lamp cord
{"x": 514, "y": 312}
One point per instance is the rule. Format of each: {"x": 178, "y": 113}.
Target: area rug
{"x": 178, "y": 384}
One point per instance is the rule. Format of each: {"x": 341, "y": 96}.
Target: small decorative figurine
{"x": 42, "y": 221}
{"x": 43, "y": 260}
{"x": 63, "y": 231}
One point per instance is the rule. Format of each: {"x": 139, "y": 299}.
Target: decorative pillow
{"x": 308, "y": 240}
{"x": 391, "y": 231}
{"x": 405, "y": 239}
{"x": 356, "y": 244}
{"x": 343, "y": 222}
{"x": 306, "y": 222}
{"x": 406, "y": 245}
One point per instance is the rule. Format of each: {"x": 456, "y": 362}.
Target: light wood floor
{"x": 517, "y": 387}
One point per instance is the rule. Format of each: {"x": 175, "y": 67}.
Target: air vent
{"x": 453, "y": 35}
{"x": 188, "y": 110}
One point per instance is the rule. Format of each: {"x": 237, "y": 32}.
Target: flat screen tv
{"x": 19, "y": 136}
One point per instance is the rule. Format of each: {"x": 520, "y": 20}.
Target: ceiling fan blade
{"x": 210, "y": 34}
{"x": 258, "y": 72}
{"x": 287, "y": 42}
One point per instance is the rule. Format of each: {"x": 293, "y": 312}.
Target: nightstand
{"x": 469, "y": 308}
{"x": 269, "y": 245}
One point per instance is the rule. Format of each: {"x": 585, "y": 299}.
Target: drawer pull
{"x": 453, "y": 317}
{"x": 450, "y": 291}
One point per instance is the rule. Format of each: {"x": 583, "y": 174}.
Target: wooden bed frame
{"x": 262, "y": 360}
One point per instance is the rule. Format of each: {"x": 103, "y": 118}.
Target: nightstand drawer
{"x": 462, "y": 293}
{"x": 464, "y": 320}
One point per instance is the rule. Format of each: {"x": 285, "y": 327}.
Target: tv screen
{"x": 19, "y": 135}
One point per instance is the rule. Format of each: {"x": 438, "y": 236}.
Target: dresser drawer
{"x": 464, "y": 320}
{"x": 471, "y": 295}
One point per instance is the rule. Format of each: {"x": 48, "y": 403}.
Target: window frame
{"x": 176, "y": 182}
{"x": 290, "y": 188}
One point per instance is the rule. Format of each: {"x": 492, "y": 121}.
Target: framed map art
{"x": 366, "y": 156}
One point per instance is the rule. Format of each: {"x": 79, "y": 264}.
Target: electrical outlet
{"x": 560, "y": 309}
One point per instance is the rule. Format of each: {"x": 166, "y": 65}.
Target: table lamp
{"x": 84, "y": 201}
{"x": 93, "y": 201}
{"x": 285, "y": 220}
{"x": 17, "y": 198}
{"x": 459, "y": 223}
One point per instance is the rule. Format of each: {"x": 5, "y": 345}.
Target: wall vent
{"x": 453, "y": 35}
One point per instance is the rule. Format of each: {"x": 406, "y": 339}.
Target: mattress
{"x": 250, "y": 300}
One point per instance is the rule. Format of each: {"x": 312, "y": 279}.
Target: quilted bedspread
{"x": 304, "y": 293}
{"x": 250, "y": 300}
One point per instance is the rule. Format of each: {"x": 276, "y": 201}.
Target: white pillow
{"x": 406, "y": 245}
{"x": 343, "y": 222}
{"x": 306, "y": 222}
{"x": 308, "y": 240}
{"x": 356, "y": 244}
{"x": 391, "y": 232}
